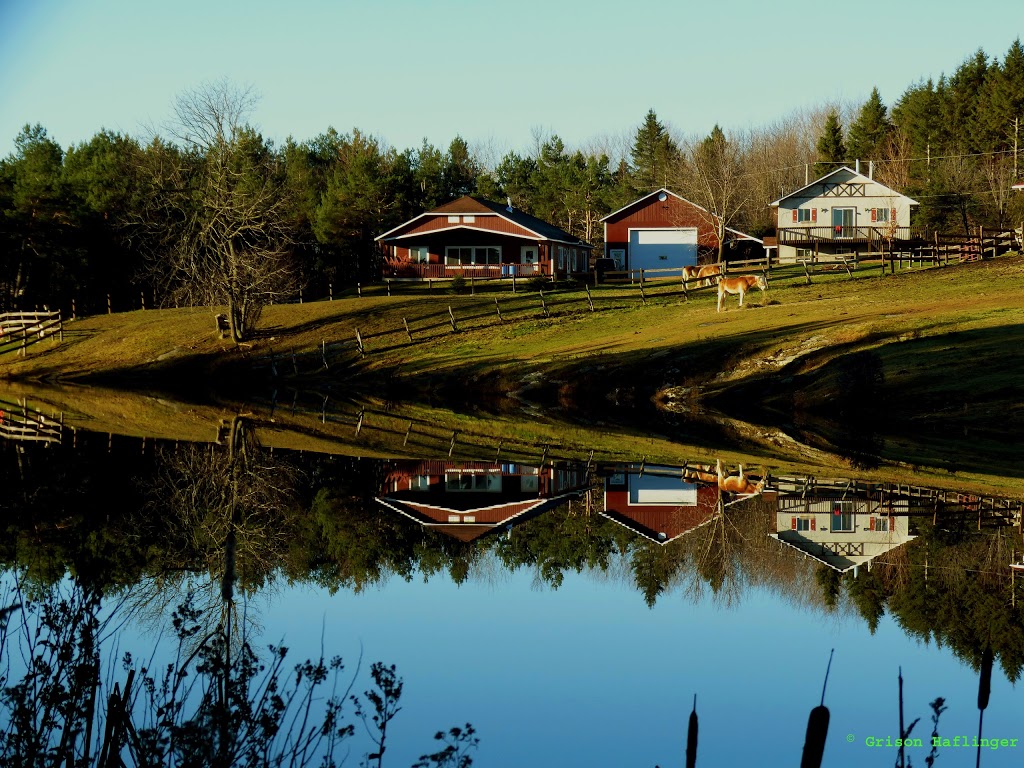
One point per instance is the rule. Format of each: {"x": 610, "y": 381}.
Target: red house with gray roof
{"x": 473, "y": 237}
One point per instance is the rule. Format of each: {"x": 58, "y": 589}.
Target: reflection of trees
{"x": 208, "y": 707}
{"x": 228, "y": 512}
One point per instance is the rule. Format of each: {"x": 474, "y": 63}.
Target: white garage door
{"x": 662, "y": 248}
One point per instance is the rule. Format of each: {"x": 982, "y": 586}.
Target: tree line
{"x": 211, "y": 211}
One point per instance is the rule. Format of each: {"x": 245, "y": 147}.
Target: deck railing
{"x": 847, "y": 234}
{"x": 401, "y": 269}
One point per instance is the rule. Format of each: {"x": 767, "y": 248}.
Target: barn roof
{"x": 479, "y": 206}
{"x": 847, "y": 169}
{"x": 641, "y": 200}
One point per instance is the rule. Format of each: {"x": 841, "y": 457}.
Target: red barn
{"x": 662, "y": 231}
{"x": 657, "y": 504}
{"x": 473, "y": 237}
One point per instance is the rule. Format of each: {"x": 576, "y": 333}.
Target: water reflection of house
{"x": 468, "y": 500}
{"x": 842, "y": 532}
{"x": 656, "y": 503}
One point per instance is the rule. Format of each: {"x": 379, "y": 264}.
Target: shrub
{"x": 457, "y": 285}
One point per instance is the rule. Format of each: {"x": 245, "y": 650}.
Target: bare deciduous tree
{"x": 219, "y": 216}
{"x": 714, "y": 177}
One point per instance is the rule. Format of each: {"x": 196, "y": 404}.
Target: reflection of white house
{"x": 842, "y": 212}
{"x": 842, "y": 533}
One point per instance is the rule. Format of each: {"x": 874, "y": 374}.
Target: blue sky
{"x": 492, "y": 72}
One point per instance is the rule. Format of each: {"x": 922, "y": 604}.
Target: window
{"x": 806, "y": 214}
{"x": 419, "y": 483}
{"x": 469, "y": 219}
{"x": 419, "y": 254}
{"x": 880, "y": 215}
{"x": 489, "y": 482}
{"x": 562, "y": 252}
{"x": 803, "y": 524}
{"x": 453, "y": 219}
{"x": 472, "y": 255}
{"x": 880, "y": 524}
{"x": 842, "y": 517}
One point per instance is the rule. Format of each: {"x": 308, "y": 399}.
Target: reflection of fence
{"x": 17, "y": 422}
{"x": 19, "y": 330}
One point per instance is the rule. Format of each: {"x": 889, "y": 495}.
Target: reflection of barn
{"x": 468, "y": 500}
{"x": 656, "y": 503}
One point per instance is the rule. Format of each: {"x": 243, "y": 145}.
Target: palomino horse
{"x": 690, "y": 273}
{"x": 740, "y": 285}
{"x": 739, "y": 484}
{"x": 709, "y": 273}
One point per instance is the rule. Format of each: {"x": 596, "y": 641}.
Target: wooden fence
{"x": 19, "y": 330}
{"x": 17, "y": 422}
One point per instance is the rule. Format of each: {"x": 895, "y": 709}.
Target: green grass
{"x": 946, "y": 339}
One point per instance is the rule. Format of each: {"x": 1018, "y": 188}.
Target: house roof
{"x": 667, "y": 191}
{"x": 479, "y": 206}
{"x": 841, "y": 169}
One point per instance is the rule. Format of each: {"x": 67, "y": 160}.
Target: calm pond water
{"x": 570, "y": 611}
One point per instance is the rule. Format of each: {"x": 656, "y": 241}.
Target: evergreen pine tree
{"x": 653, "y": 154}
{"x": 868, "y": 131}
{"x": 831, "y": 148}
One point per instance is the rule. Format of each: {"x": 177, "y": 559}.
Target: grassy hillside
{"x": 931, "y": 352}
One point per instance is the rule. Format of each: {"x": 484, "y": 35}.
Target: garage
{"x": 662, "y": 248}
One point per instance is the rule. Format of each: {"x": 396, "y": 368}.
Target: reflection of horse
{"x": 738, "y": 484}
{"x": 740, "y": 285}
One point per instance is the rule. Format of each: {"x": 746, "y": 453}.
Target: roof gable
{"x": 842, "y": 170}
{"x": 479, "y": 206}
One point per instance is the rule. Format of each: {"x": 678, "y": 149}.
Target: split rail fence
{"x": 20, "y": 330}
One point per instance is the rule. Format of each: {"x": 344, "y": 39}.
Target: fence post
{"x": 807, "y": 274}
{"x": 323, "y": 352}
{"x": 359, "y": 343}
{"x": 300, "y": 294}
{"x": 498, "y": 310}
{"x": 590, "y": 300}
{"x": 330, "y": 291}
{"x": 543, "y": 304}
{"x": 513, "y": 281}
{"x": 142, "y": 299}
{"x": 472, "y": 285}
{"x": 452, "y": 316}
{"x": 359, "y": 290}
{"x": 643, "y": 297}
{"x": 74, "y": 316}
{"x": 407, "y": 331}
{"x": 388, "y": 284}
{"x": 108, "y": 304}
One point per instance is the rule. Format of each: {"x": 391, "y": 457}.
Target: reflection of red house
{"x": 657, "y": 506}
{"x": 468, "y": 500}
{"x": 473, "y": 237}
